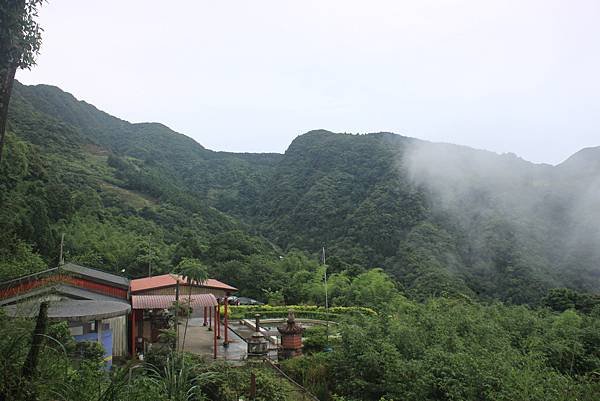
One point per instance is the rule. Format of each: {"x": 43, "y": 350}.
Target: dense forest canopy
{"x": 438, "y": 218}
{"x": 429, "y": 237}
{"x": 428, "y": 271}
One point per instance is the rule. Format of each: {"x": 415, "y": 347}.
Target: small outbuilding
{"x": 151, "y": 297}
{"x": 94, "y": 303}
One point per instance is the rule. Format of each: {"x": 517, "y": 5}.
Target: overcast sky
{"x": 509, "y": 76}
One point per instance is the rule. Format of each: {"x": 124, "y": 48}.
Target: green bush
{"x": 90, "y": 350}
{"x": 312, "y": 372}
{"x": 314, "y": 338}
{"x": 300, "y": 311}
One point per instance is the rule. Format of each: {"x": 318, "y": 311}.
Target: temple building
{"x": 151, "y": 297}
{"x": 94, "y": 303}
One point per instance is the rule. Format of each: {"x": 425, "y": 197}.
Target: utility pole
{"x": 326, "y": 303}
{"x": 61, "y": 260}
{"x": 177, "y": 314}
{"x": 326, "y": 298}
{"x": 149, "y": 259}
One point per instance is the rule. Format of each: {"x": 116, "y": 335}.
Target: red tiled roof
{"x": 167, "y": 280}
{"x": 148, "y": 283}
{"x": 166, "y": 301}
{"x": 212, "y": 283}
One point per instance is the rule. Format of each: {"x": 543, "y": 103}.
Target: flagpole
{"x": 325, "y": 265}
{"x": 326, "y": 303}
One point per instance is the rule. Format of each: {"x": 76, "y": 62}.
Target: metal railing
{"x": 306, "y": 395}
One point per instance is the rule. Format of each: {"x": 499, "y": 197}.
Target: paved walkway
{"x": 199, "y": 341}
{"x": 246, "y": 332}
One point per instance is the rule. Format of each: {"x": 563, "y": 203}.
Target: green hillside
{"x": 72, "y": 169}
{"x": 439, "y": 218}
{"x": 422, "y": 241}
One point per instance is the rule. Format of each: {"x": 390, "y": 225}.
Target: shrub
{"x": 90, "y": 350}
{"x": 314, "y": 338}
{"x": 300, "y": 311}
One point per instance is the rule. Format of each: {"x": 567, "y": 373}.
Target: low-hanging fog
{"x": 546, "y": 217}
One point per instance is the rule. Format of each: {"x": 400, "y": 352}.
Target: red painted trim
{"x": 96, "y": 287}
{"x": 133, "y": 317}
{"x": 226, "y": 342}
{"x": 215, "y": 333}
{"x": 218, "y": 319}
{"x": 62, "y": 278}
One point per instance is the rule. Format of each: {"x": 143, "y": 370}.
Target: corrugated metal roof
{"x": 166, "y": 301}
{"x": 167, "y": 280}
{"x": 71, "y": 309}
{"x": 97, "y": 275}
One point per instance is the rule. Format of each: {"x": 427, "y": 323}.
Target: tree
{"x": 373, "y": 289}
{"x": 20, "y": 41}
{"x": 194, "y": 273}
{"x": 147, "y": 256}
{"x": 561, "y": 299}
{"x": 178, "y": 381}
{"x": 37, "y": 340}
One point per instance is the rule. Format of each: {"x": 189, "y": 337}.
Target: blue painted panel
{"x": 106, "y": 341}
{"x": 86, "y": 337}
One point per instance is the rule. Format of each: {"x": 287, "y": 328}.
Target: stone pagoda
{"x": 291, "y": 338}
{"x": 257, "y": 344}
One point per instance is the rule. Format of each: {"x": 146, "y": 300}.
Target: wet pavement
{"x": 199, "y": 341}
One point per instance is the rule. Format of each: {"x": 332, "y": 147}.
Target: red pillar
{"x": 205, "y": 316}
{"x": 215, "y": 336}
{"x": 133, "y": 333}
{"x": 226, "y": 325}
{"x": 210, "y": 318}
{"x": 218, "y": 319}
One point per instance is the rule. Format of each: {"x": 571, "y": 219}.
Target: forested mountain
{"x": 75, "y": 170}
{"x": 438, "y": 218}
{"x": 168, "y": 155}
{"x": 439, "y": 214}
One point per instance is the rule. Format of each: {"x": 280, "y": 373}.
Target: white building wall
{"x": 119, "y": 331}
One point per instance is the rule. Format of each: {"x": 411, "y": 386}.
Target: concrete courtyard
{"x": 199, "y": 341}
